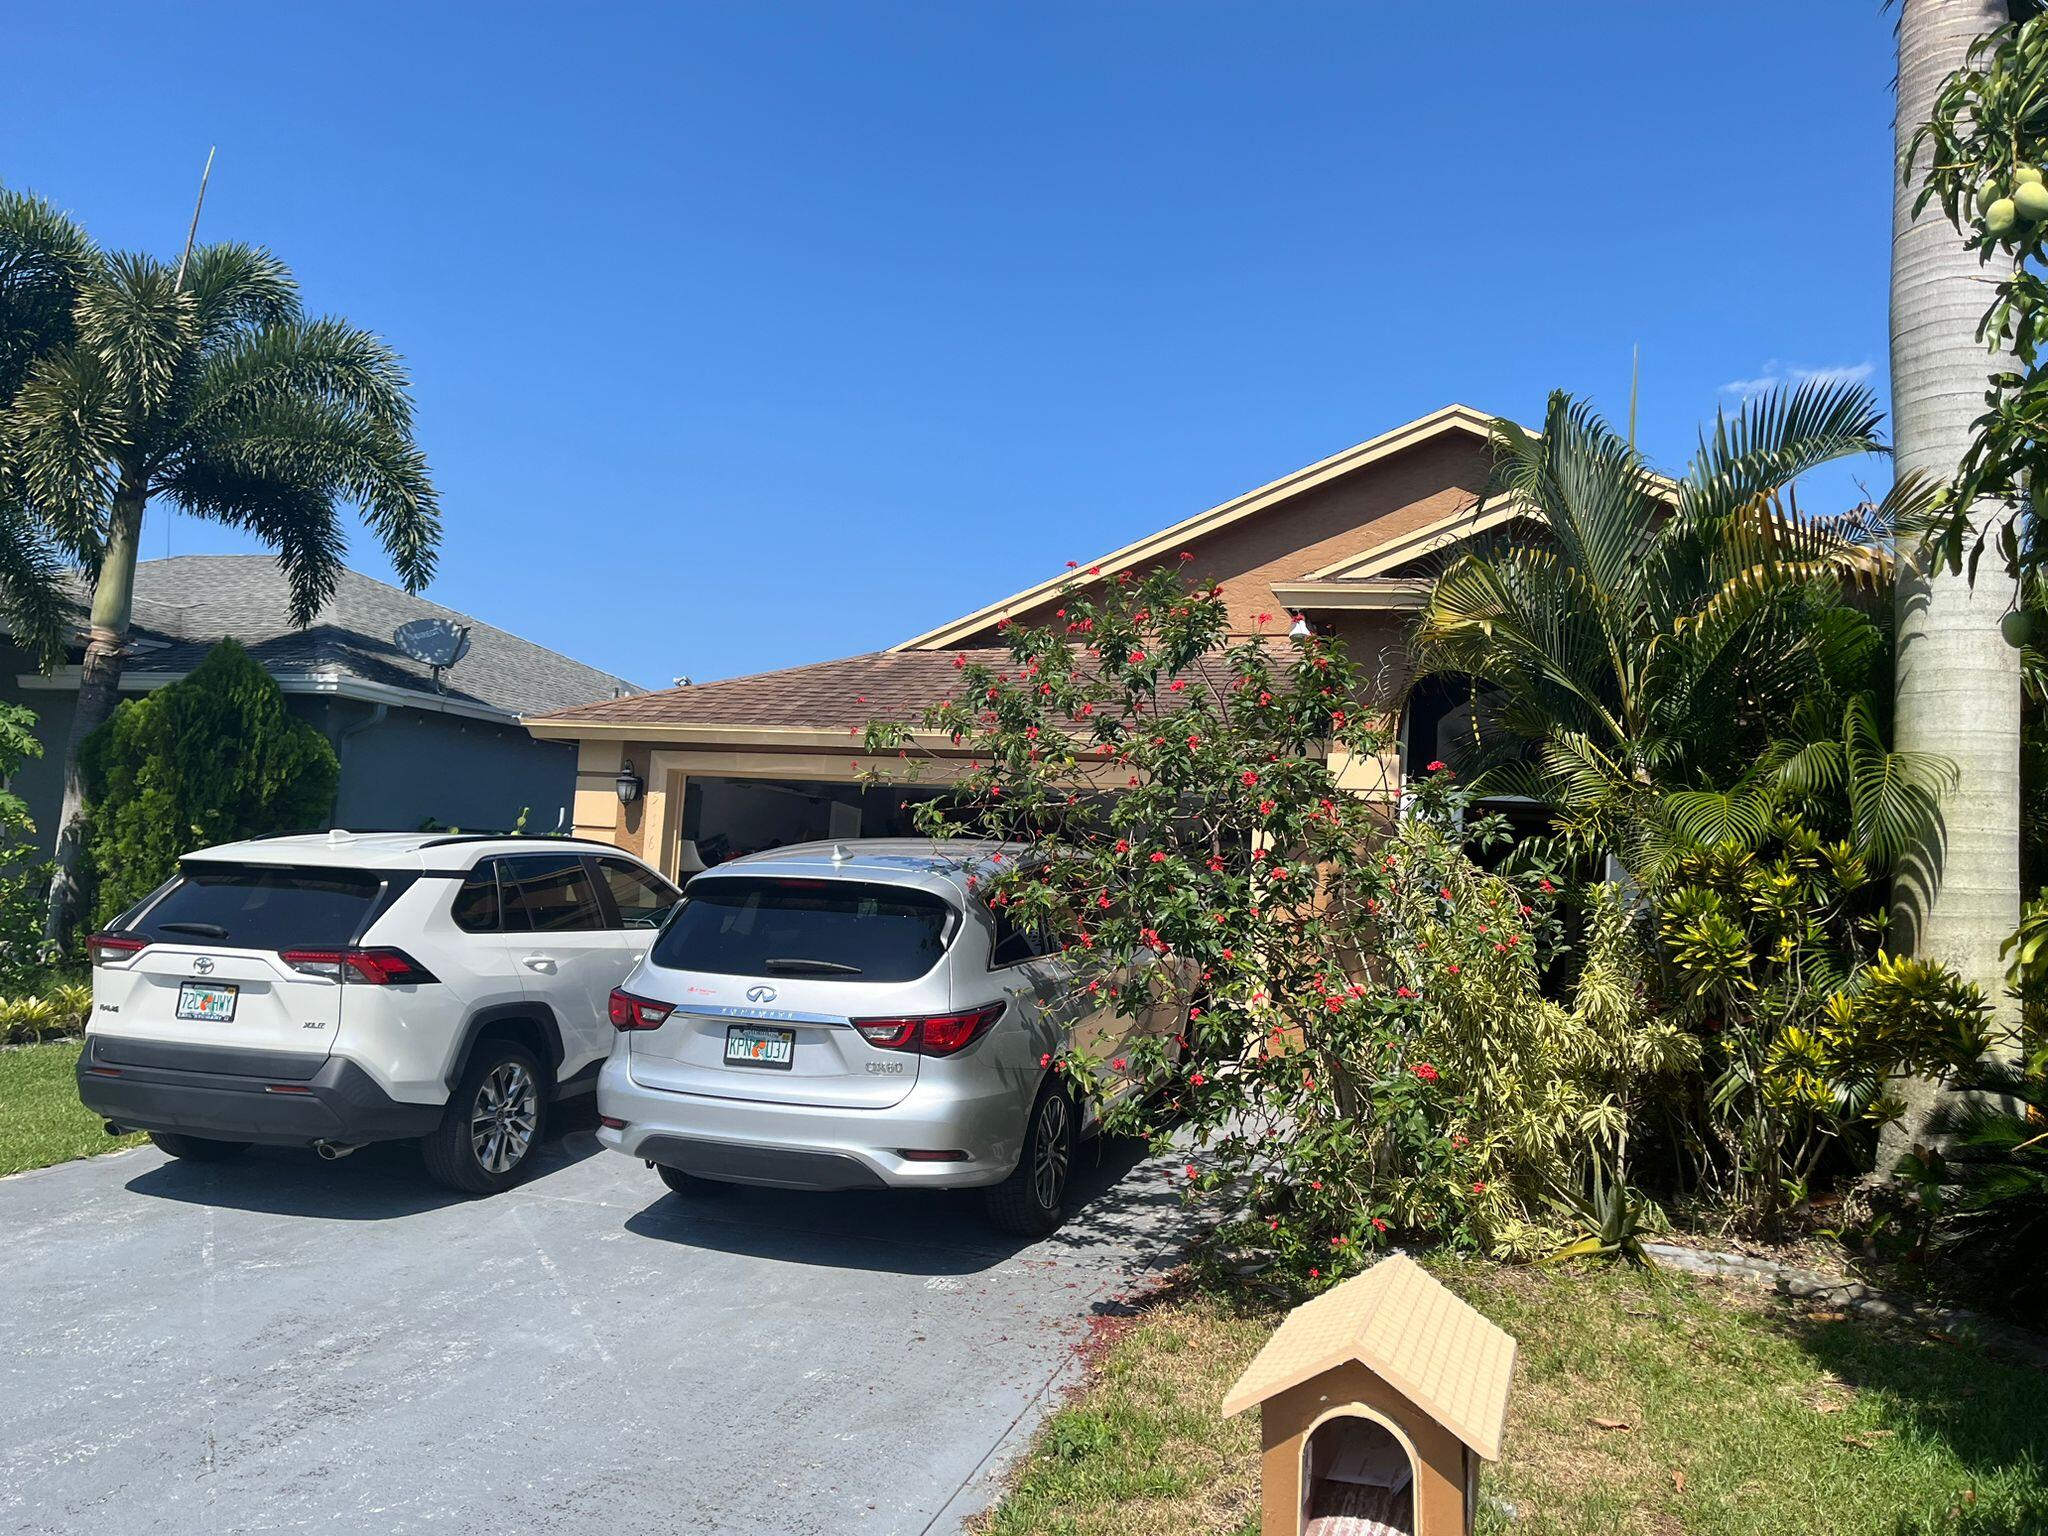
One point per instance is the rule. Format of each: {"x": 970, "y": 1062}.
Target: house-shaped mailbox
{"x": 1377, "y": 1401}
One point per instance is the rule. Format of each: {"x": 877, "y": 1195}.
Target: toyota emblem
{"x": 760, "y": 994}
{"x": 203, "y": 965}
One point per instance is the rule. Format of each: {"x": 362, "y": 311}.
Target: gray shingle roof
{"x": 186, "y": 604}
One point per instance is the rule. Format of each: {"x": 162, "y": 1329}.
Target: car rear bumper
{"x": 278, "y": 1098}
{"x": 801, "y": 1146}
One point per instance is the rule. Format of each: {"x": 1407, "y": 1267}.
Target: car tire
{"x": 197, "y": 1149}
{"x": 1032, "y": 1201}
{"x": 492, "y": 1126}
{"x": 681, "y": 1183}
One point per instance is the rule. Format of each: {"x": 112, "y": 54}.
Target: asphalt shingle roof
{"x": 186, "y": 604}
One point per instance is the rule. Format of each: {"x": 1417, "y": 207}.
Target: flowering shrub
{"x": 1339, "y": 1010}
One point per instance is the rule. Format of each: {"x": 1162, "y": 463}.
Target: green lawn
{"x": 1745, "y": 1418}
{"x": 41, "y": 1120}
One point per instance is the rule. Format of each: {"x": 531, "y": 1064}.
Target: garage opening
{"x": 1357, "y": 1480}
{"x": 726, "y": 818}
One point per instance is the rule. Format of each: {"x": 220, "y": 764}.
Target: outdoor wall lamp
{"x": 628, "y": 783}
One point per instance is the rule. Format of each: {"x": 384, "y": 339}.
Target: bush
{"x": 207, "y": 760}
{"x": 23, "y": 876}
{"x": 1367, "y": 1051}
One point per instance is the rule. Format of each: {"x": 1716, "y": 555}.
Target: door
{"x": 570, "y": 955}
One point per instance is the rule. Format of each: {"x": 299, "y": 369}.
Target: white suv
{"x": 332, "y": 989}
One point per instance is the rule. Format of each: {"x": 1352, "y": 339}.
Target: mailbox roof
{"x": 1399, "y": 1322}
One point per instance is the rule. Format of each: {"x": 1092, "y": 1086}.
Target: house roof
{"x": 1398, "y": 1321}
{"x": 1157, "y": 546}
{"x": 824, "y": 696}
{"x": 186, "y": 604}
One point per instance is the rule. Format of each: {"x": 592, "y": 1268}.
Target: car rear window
{"x": 262, "y": 906}
{"x": 835, "y": 930}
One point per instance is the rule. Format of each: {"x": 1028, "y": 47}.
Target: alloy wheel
{"x": 502, "y": 1122}
{"x": 1049, "y": 1155}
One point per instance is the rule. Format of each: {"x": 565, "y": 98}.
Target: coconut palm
{"x": 205, "y": 385}
{"x": 1675, "y": 661}
{"x": 1958, "y": 684}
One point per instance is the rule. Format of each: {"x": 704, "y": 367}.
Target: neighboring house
{"x": 751, "y": 762}
{"x": 413, "y": 752}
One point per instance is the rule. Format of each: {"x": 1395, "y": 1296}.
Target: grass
{"x": 41, "y": 1120}
{"x": 1744, "y": 1416}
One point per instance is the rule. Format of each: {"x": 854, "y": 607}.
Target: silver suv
{"x": 851, "y": 1016}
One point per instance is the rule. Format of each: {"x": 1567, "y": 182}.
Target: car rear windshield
{"x": 261, "y": 906}
{"x": 835, "y": 930}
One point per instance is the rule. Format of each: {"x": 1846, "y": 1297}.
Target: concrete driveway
{"x": 281, "y": 1344}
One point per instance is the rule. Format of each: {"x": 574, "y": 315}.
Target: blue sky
{"x": 751, "y": 334}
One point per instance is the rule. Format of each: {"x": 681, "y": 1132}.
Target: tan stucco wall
{"x": 1318, "y": 527}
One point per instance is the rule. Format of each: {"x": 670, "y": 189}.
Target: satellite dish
{"x": 436, "y": 643}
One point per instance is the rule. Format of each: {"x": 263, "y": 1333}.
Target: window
{"x": 1014, "y": 943}
{"x": 476, "y": 903}
{"x": 548, "y": 893}
{"x": 263, "y": 906}
{"x": 840, "y": 930}
{"x": 642, "y": 899}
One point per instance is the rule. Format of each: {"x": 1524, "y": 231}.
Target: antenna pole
{"x": 192, "y": 234}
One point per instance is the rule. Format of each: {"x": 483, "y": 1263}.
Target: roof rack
{"x": 521, "y": 837}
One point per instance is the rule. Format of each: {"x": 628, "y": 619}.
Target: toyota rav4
{"x": 334, "y": 989}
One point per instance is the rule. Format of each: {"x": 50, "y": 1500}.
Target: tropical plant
{"x": 1986, "y": 1163}
{"x": 1614, "y": 1221}
{"x": 1674, "y": 638}
{"x": 1361, "y": 1045}
{"x": 21, "y": 866}
{"x": 209, "y": 759}
{"x": 1773, "y": 956}
{"x": 205, "y": 384}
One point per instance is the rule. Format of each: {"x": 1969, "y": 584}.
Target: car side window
{"x": 1014, "y": 942}
{"x": 548, "y": 893}
{"x": 476, "y": 900}
{"x": 642, "y": 899}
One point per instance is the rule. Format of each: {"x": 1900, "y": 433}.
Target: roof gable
{"x": 1398, "y": 1321}
{"x": 1451, "y": 419}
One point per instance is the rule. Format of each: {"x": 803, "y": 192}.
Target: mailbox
{"x": 1377, "y": 1402}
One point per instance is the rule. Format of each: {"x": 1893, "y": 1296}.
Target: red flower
{"x": 1402, "y": 992}
{"x": 1545, "y": 885}
{"x": 959, "y": 662}
{"x": 1187, "y": 554}
{"x": 1248, "y": 778}
{"x": 1197, "y": 1079}
{"x": 1315, "y": 1274}
{"x": 1158, "y": 858}
{"x": 1045, "y": 1061}
{"x": 1479, "y": 1187}
{"x": 1444, "y": 891}
{"x": 1123, "y": 845}
{"x": 1266, "y": 807}
{"x": 1194, "y": 742}
{"x": 1425, "y": 1071}
{"x": 1437, "y": 766}
{"x": 1378, "y": 1225}
{"x": 1191, "y": 1170}
{"x": 1117, "y": 1065}
{"x": 1315, "y": 1183}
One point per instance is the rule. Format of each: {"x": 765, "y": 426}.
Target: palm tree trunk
{"x": 1958, "y": 684}
{"x": 99, "y": 683}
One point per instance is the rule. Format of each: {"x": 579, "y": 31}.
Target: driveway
{"x": 281, "y": 1344}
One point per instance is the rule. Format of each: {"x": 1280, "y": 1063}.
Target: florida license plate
{"x": 211, "y": 1002}
{"x": 746, "y": 1046}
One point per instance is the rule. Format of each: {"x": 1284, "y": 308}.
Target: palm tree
{"x": 208, "y": 386}
{"x": 44, "y": 257}
{"x": 1958, "y": 684}
{"x": 1674, "y": 660}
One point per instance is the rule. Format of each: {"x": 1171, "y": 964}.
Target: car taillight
{"x": 362, "y": 967}
{"x": 929, "y": 1034}
{"x": 630, "y": 1012}
{"x": 106, "y": 948}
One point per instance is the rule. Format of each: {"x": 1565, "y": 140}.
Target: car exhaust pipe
{"x": 112, "y": 1129}
{"x": 333, "y": 1151}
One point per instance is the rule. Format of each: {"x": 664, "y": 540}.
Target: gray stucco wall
{"x": 412, "y": 766}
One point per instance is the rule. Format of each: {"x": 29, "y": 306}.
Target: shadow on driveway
{"x": 1118, "y": 1205}
{"x": 379, "y": 1183}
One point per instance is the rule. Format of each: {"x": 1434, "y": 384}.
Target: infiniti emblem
{"x": 760, "y": 994}
{"x": 203, "y": 965}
